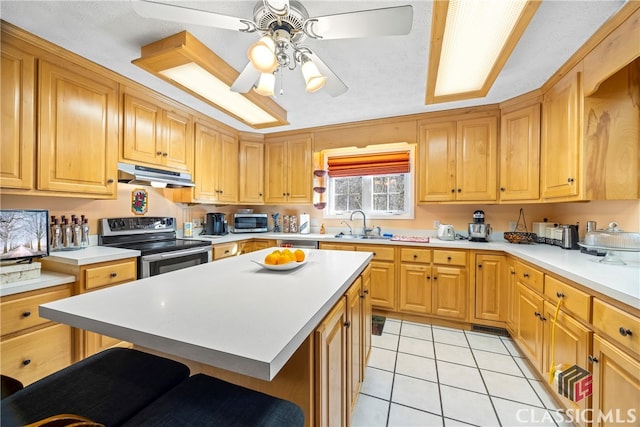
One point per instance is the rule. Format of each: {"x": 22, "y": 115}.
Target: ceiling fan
{"x": 283, "y": 26}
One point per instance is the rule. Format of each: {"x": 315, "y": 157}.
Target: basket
{"x": 520, "y": 236}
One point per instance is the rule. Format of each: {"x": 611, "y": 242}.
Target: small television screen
{"x": 24, "y": 234}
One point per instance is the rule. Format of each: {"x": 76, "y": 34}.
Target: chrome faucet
{"x": 348, "y": 225}
{"x": 365, "y": 230}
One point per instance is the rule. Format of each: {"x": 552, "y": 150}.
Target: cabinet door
{"x": 17, "y": 105}
{"x": 562, "y": 138}
{"x": 177, "y": 140}
{"x": 368, "y": 312}
{"x": 331, "y": 368}
{"x": 512, "y": 297}
{"x": 227, "y": 166}
{"x": 529, "y": 324}
{"x": 276, "y": 172}
{"x": 571, "y": 346}
{"x": 449, "y": 292}
{"x": 78, "y": 131}
{"x": 491, "y": 287}
{"x": 616, "y": 385}
{"x": 437, "y": 157}
{"x": 354, "y": 341}
{"x": 520, "y": 154}
{"x": 142, "y": 131}
{"x": 207, "y": 143}
{"x": 299, "y": 179}
{"x": 251, "y": 172}
{"x": 383, "y": 285}
{"x": 415, "y": 288}
{"x": 476, "y": 159}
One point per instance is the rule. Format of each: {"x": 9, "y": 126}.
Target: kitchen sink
{"x": 361, "y": 236}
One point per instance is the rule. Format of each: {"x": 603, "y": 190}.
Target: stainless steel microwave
{"x": 250, "y": 223}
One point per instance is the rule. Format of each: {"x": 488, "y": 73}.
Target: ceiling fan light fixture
{"x": 262, "y": 55}
{"x": 266, "y": 84}
{"x": 470, "y": 43}
{"x": 313, "y": 80}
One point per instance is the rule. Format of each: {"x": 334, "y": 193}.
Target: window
{"x": 354, "y": 184}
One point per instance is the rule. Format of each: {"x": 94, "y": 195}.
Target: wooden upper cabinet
{"x": 288, "y": 170}
{"x": 17, "y": 104}
{"x": 77, "y": 131}
{"x": 157, "y": 134}
{"x": 520, "y": 154}
{"x": 215, "y": 167}
{"x": 561, "y": 153}
{"x": 251, "y": 159}
{"x": 458, "y": 160}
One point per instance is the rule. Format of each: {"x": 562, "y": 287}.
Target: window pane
{"x": 355, "y": 202}
{"x": 379, "y": 185}
{"x": 380, "y": 202}
{"x": 396, "y": 202}
{"x": 396, "y": 184}
{"x": 355, "y": 185}
{"x": 340, "y": 186}
{"x": 340, "y": 202}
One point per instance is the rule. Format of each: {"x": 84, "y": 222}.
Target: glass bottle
{"x": 84, "y": 242}
{"x": 67, "y": 234}
{"x": 55, "y": 234}
{"x": 77, "y": 232}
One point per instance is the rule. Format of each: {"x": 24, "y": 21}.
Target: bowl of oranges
{"x": 283, "y": 259}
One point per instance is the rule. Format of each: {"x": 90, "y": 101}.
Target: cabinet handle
{"x": 112, "y": 275}
{"x": 221, "y": 191}
{"x": 288, "y": 194}
{"x": 165, "y": 154}
{"x": 374, "y": 254}
{"x": 227, "y": 251}
{"x": 260, "y": 194}
{"x": 435, "y": 277}
{"x": 347, "y": 324}
{"x": 537, "y": 314}
{"x": 158, "y": 153}
{"x": 503, "y": 189}
{"x": 625, "y": 332}
{"x": 479, "y": 265}
{"x": 366, "y": 291}
{"x": 459, "y": 190}
{"x": 25, "y": 362}
{"x": 110, "y": 181}
{"x": 284, "y": 194}
{"x": 593, "y": 359}
{"x": 362, "y": 296}
{"x": 28, "y": 313}
{"x": 415, "y": 256}
{"x": 513, "y": 273}
{"x": 559, "y": 294}
{"x": 453, "y": 190}
{"x": 525, "y": 275}
{"x": 569, "y": 180}
{"x": 448, "y": 258}
{"x": 428, "y": 277}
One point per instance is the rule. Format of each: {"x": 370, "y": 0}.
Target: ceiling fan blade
{"x": 246, "y": 79}
{"x": 169, "y": 12}
{"x": 334, "y": 86}
{"x": 390, "y": 21}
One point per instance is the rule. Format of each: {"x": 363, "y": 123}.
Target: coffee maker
{"x": 215, "y": 224}
{"x": 478, "y": 230}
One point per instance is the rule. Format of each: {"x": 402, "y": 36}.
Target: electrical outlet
{"x": 512, "y": 225}
{"x": 436, "y": 223}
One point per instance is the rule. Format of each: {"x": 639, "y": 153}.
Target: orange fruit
{"x": 283, "y": 259}
{"x": 299, "y": 254}
{"x": 271, "y": 259}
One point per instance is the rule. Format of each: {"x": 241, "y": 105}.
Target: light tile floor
{"x": 423, "y": 375}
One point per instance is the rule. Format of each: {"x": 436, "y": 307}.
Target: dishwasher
{"x": 301, "y": 244}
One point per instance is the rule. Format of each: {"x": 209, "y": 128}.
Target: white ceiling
{"x": 386, "y": 75}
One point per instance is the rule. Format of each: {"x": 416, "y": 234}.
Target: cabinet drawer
{"x": 576, "y": 302}
{"x": 337, "y": 247}
{"x": 415, "y": 255}
{"x": 450, "y": 257}
{"x": 530, "y": 276}
{"x": 111, "y": 274}
{"x": 380, "y": 253}
{"x": 225, "y": 250}
{"x": 34, "y": 355}
{"x": 22, "y": 313}
{"x": 620, "y": 326}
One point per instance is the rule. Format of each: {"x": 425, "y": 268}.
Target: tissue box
{"x": 19, "y": 272}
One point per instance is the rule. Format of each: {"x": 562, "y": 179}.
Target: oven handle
{"x": 176, "y": 254}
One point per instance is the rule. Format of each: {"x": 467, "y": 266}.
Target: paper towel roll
{"x": 305, "y": 224}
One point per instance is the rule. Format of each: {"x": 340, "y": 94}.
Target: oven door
{"x": 152, "y": 265}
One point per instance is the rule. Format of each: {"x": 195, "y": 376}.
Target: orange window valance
{"x": 369, "y": 164}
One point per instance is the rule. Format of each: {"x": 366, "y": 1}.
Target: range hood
{"x": 144, "y": 175}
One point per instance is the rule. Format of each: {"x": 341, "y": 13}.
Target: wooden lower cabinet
{"x": 415, "y": 288}
{"x": 616, "y": 385}
{"x": 512, "y": 306}
{"x": 450, "y": 292}
{"x": 331, "y": 368}
{"x": 491, "y": 288}
{"x": 529, "y": 324}
{"x": 354, "y": 342}
{"x": 367, "y": 313}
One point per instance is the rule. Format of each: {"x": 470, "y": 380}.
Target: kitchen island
{"x": 231, "y": 318}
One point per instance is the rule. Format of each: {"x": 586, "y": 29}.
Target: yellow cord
{"x": 552, "y": 369}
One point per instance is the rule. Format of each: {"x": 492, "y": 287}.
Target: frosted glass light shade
{"x": 312, "y": 77}
{"x": 262, "y": 55}
{"x": 266, "y": 84}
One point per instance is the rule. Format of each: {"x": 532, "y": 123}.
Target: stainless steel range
{"x": 155, "y": 238}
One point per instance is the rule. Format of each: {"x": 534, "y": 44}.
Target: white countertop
{"x": 620, "y": 282}
{"x": 91, "y": 255}
{"x": 232, "y": 313}
{"x": 46, "y": 279}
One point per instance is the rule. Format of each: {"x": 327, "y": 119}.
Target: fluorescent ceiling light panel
{"x": 471, "y": 41}
{"x": 185, "y": 62}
